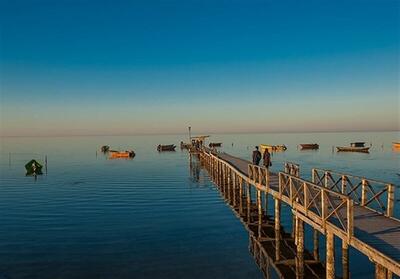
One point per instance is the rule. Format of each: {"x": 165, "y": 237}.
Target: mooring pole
{"x": 45, "y": 163}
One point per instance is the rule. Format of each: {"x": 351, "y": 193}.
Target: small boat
{"x": 272, "y": 148}
{"x": 122, "y": 154}
{"x": 396, "y": 145}
{"x": 354, "y": 147}
{"x": 307, "y": 146}
{"x": 169, "y": 147}
{"x": 105, "y": 148}
{"x": 215, "y": 144}
{"x": 33, "y": 168}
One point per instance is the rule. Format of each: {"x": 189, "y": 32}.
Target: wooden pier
{"x": 356, "y": 210}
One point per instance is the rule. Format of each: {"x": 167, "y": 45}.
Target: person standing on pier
{"x": 256, "y": 156}
{"x": 267, "y": 158}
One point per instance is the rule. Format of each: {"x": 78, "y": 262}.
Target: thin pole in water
{"x": 45, "y": 163}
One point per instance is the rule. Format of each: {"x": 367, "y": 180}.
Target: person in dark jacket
{"x": 267, "y": 158}
{"x": 256, "y": 156}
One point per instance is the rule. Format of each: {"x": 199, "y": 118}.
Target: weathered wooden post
{"x": 330, "y": 255}
{"x": 277, "y": 214}
{"x": 326, "y": 180}
{"x": 300, "y": 248}
{"x": 344, "y": 184}
{"x": 234, "y": 183}
{"x": 345, "y": 259}
{"x": 241, "y": 195}
{"x": 259, "y": 205}
{"x": 390, "y": 200}
{"x": 363, "y": 192}
{"x": 380, "y": 271}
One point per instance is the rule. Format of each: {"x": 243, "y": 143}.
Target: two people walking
{"x": 266, "y": 157}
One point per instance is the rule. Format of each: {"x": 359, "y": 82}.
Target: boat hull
{"x": 352, "y": 149}
{"x": 123, "y": 154}
{"x": 396, "y": 145}
{"x": 170, "y": 147}
{"x": 307, "y": 146}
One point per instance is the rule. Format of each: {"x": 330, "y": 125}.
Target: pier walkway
{"x": 332, "y": 204}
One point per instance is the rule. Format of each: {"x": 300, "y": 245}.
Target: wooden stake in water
{"x": 45, "y": 163}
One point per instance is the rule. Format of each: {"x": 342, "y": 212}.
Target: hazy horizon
{"x": 157, "y": 67}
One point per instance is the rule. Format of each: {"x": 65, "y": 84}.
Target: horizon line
{"x": 197, "y": 133}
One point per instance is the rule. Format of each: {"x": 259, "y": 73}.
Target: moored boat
{"x": 352, "y": 149}
{"x": 305, "y": 146}
{"x": 396, "y": 145}
{"x": 122, "y": 154}
{"x": 168, "y": 147}
{"x": 33, "y": 168}
{"x": 272, "y": 148}
{"x": 215, "y": 144}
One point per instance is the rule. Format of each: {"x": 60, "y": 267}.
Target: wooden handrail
{"x": 363, "y": 191}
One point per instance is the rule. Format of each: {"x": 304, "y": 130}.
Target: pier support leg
{"x": 241, "y": 196}
{"x": 345, "y": 260}
{"x": 300, "y": 249}
{"x": 234, "y": 183}
{"x": 330, "y": 255}
{"x": 380, "y": 271}
{"x": 266, "y": 204}
{"x": 248, "y": 202}
{"x": 316, "y": 244}
{"x": 277, "y": 214}
{"x": 260, "y": 213}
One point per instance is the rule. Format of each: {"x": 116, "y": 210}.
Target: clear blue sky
{"x": 130, "y": 67}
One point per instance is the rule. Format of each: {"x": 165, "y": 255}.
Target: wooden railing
{"x": 320, "y": 204}
{"x": 292, "y": 168}
{"x": 376, "y": 195}
{"x": 260, "y": 175}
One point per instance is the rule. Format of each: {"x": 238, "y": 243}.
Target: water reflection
{"x": 273, "y": 249}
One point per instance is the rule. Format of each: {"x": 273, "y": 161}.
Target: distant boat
{"x": 396, "y": 145}
{"x": 33, "y": 168}
{"x": 354, "y": 147}
{"x": 122, "y": 154}
{"x": 169, "y": 147}
{"x": 305, "y": 146}
{"x": 105, "y": 148}
{"x": 215, "y": 144}
{"x": 272, "y": 148}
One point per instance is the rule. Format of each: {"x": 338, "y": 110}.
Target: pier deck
{"x": 371, "y": 232}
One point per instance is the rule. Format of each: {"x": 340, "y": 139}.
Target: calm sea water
{"x": 92, "y": 217}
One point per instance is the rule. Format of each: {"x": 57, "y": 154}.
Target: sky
{"x": 147, "y": 67}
